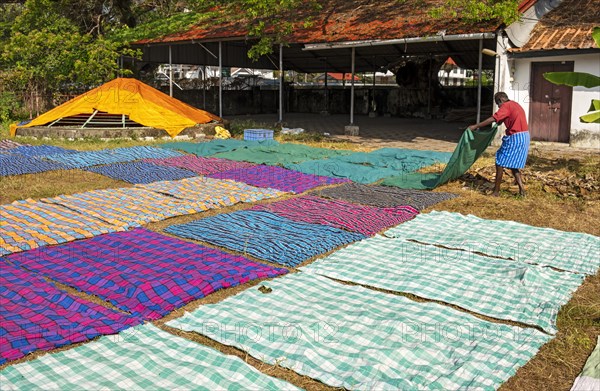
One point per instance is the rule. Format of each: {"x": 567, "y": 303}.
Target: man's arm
{"x": 482, "y": 124}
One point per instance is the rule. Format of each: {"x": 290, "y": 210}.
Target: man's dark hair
{"x": 500, "y": 97}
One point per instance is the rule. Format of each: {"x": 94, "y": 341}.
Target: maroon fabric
{"x": 201, "y": 165}
{"x": 367, "y": 220}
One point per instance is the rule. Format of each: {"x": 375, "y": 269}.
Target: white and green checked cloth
{"x": 572, "y": 251}
{"x": 498, "y": 288}
{"x": 141, "y": 358}
{"x": 357, "y": 338}
{"x": 589, "y": 378}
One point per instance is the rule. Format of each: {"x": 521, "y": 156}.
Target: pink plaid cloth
{"x": 367, "y": 220}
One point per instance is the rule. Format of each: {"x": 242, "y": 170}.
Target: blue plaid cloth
{"x": 41, "y": 150}
{"x": 266, "y": 236}
{"x": 513, "y": 152}
{"x": 108, "y": 156}
{"x": 142, "y": 172}
{"x": 17, "y": 164}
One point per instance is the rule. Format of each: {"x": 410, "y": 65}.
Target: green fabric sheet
{"x": 405, "y": 160}
{"x": 571, "y": 251}
{"x": 589, "y": 379}
{"x": 499, "y": 288}
{"x": 470, "y": 146}
{"x": 339, "y": 169}
{"x": 369, "y": 167}
{"x": 355, "y": 338}
{"x": 212, "y": 147}
{"x": 280, "y": 154}
{"x": 141, "y": 358}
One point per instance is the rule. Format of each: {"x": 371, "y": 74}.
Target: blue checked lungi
{"x": 513, "y": 151}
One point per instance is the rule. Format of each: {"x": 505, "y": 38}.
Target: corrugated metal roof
{"x": 340, "y": 21}
{"x": 568, "y": 26}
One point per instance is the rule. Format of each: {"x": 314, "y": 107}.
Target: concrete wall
{"x": 583, "y": 135}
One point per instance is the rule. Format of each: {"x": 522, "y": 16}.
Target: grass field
{"x": 570, "y": 208}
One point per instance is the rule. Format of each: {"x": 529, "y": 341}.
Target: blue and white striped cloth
{"x": 513, "y": 151}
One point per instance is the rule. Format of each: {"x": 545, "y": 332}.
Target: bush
{"x": 8, "y": 106}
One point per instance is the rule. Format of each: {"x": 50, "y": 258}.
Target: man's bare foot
{"x": 522, "y": 193}
{"x": 495, "y": 194}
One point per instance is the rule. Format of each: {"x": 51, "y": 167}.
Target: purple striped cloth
{"x": 367, "y": 220}
{"x": 201, "y": 165}
{"x": 35, "y": 315}
{"x": 9, "y": 144}
{"x": 278, "y": 178}
{"x": 143, "y": 272}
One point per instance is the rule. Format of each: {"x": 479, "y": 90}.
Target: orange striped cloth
{"x": 29, "y": 224}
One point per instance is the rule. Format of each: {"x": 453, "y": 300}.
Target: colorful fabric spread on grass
{"x": 338, "y": 169}
{"x": 360, "y": 339}
{"x": 29, "y": 224}
{"x": 266, "y": 236}
{"x": 589, "y": 378}
{"x": 214, "y": 146}
{"x": 498, "y": 288}
{"x": 213, "y": 192}
{"x": 142, "y": 358}
{"x": 277, "y": 178}
{"x": 6, "y": 145}
{"x": 275, "y": 154}
{"x": 403, "y": 160}
{"x": 128, "y": 207}
{"x": 384, "y": 196}
{"x": 143, "y": 272}
{"x": 16, "y": 164}
{"x": 35, "y": 315}
{"x": 42, "y": 150}
{"x": 367, "y": 220}
{"x": 470, "y": 146}
{"x": 571, "y": 251}
{"x": 108, "y": 156}
{"x": 141, "y": 172}
{"x": 201, "y": 165}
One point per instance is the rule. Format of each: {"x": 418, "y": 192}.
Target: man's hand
{"x": 473, "y": 128}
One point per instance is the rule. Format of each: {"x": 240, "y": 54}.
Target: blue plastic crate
{"x": 258, "y": 134}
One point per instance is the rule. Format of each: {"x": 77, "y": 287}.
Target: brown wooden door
{"x": 550, "y": 105}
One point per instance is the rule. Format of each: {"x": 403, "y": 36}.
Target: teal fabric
{"x": 470, "y": 146}
{"x": 141, "y": 358}
{"x": 589, "y": 378}
{"x": 359, "y": 339}
{"x": 340, "y": 169}
{"x": 280, "y": 154}
{"x": 499, "y": 288}
{"x": 369, "y": 167}
{"x": 404, "y": 160}
{"x": 572, "y": 251}
{"x": 214, "y": 146}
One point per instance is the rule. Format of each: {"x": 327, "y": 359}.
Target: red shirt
{"x": 512, "y": 115}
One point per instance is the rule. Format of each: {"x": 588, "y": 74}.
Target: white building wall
{"x": 517, "y": 85}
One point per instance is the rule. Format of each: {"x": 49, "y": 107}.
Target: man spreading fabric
{"x": 515, "y": 144}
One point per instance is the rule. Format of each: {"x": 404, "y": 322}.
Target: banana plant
{"x": 581, "y": 79}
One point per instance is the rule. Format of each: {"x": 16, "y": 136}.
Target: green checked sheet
{"x": 141, "y": 358}
{"x": 571, "y": 251}
{"x": 499, "y": 288}
{"x": 356, "y": 338}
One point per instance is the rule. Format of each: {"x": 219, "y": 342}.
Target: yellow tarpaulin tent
{"x": 140, "y": 102}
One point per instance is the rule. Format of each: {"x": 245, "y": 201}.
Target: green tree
{"x": 473, "y": 11}
{"x": 46, "y": 52}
